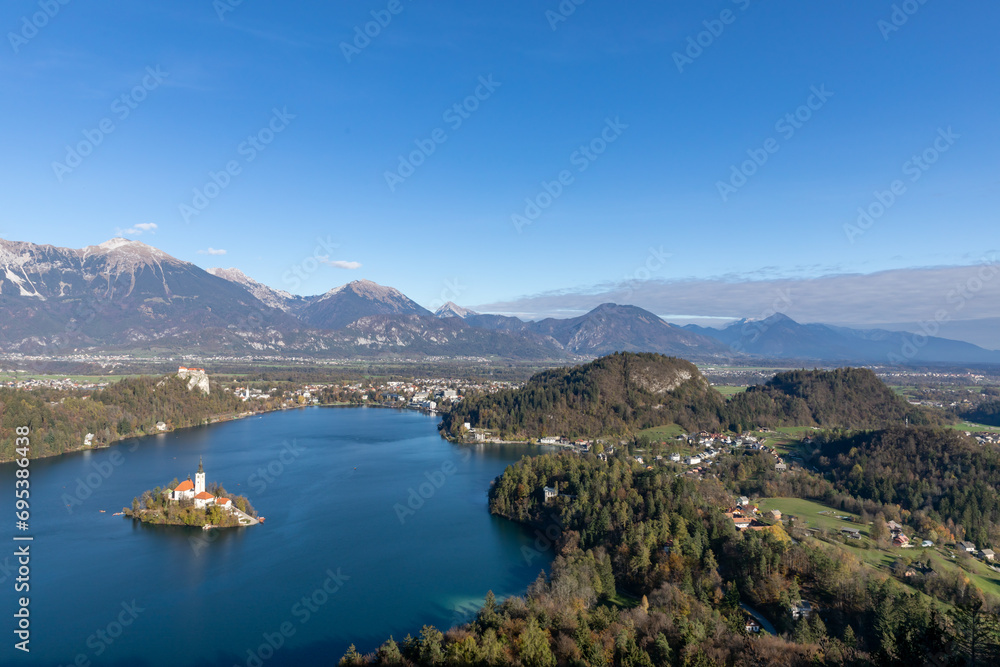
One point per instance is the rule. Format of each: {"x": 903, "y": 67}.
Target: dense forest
{"x": 947, "y": 481}
{"x": 626, "y": 392}
{"x": 621, "y": 531}
{"x": 60, "y": 419}
{"x": 609, "y": 396}
{"x": 987, "y": 412}
{"x": 843, "y": 398}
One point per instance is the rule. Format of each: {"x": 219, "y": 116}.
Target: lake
{"x": 375, "y": 526}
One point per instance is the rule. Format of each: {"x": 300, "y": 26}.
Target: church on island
{"x": 188, "y": 490}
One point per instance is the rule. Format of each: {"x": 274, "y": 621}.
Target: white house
{"x": 550, "y": 492}
{"x": 183, "y": 491}
{"x": 188, "y": 490}
{"x": 801, "y": 609}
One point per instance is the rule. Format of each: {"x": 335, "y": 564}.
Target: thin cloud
{"x": 950, "y": 293}
{"x": 211, "y": 251}
{"x": 137, "y": 230}
{"x": 341, "y": 264}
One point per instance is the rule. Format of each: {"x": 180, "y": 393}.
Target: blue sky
{"x": 446, "y": 231}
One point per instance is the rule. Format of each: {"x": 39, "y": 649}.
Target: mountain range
{"x": 124, "y": 295}
{"x": 780, "y": 337}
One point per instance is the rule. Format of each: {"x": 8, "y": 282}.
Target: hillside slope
{"x": 616, "y": 394}
{"x": 842, "y": 398}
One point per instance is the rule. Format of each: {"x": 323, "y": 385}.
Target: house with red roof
{"x": 184, "y": 490}
{"x": 202, "y": 499}
{"x": 195, "y": 490}
{"x": 188, "y": 490}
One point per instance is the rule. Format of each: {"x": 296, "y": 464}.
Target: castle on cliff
{"x": 196, "y": 377}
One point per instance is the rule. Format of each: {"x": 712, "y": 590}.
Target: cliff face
{"x": 196, "y": 378}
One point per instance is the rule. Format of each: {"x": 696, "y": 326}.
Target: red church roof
{"x": 222, "y": 501}
{"x": 204, "y": 495}
{"x": 186, "y": 485}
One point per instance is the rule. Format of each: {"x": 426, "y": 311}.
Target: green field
{"x": 785, "y": 439}
{"x": 729, "y": 390}
{"x": 974, "y": 428}
{"x": 811, "y": 514}
{"x": 979, "y": 573}
{"x": 816, "y": 515}
{"x": 665, "y": 432}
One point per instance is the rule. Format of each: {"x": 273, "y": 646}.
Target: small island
{"x": 192, "y": 503}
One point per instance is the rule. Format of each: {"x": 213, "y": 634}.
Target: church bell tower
{"x": 199, "y": 478}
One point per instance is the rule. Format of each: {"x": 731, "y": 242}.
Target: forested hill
{"x": 987, "y": 412}
{"x": 615, "y": 394}
{"x": 852, "y": 398}
{"x": 59, "y": 420}
{"x": 949, "y": 482}
{"x": 626, "y": 392}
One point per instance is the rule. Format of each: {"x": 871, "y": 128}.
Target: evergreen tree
{"x": 533, "y": 646}
{"x": 431, "y": 651}
{"x": 352, "y": 657}
{"x": 389, "y": 653}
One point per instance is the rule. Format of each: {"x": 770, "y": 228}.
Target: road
{"x": 764, "y": 623}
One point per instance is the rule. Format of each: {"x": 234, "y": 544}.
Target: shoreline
{"x": 218, "y": 419}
